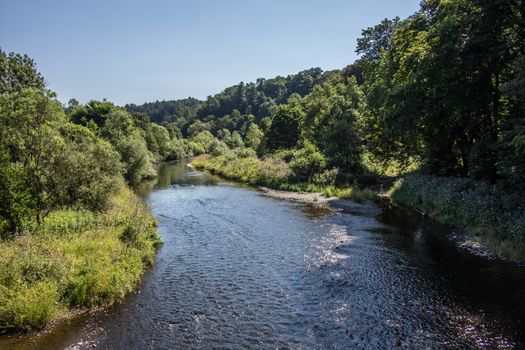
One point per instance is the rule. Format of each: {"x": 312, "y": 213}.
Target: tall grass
{"x": 76, "y": 259}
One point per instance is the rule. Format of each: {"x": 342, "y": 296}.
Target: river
{"x": 240, "y": 270}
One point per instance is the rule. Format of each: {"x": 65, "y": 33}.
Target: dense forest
{"x": 436, "y": 101}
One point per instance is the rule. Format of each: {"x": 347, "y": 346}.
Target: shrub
{"x": 306, "y": 162}
{"x": 217, "y": 148}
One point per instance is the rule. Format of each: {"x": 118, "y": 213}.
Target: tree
{"x": 93, "y": 114}
{"x": 204, "y": 138}
{"x": 18, "y": 72}
{"x": 375, "y": 40}
{"x": 285, "y": 129}
{"x": 435, "y": 94}
{"x": 331, "y": 122}
{"x": 87, "y": 170}
{"x": 253, "y": 136}
{"x": 47, "y": 162}
{"x": 217, "y": 148}
{"x": 306, "y": 162}
{"x": 117, "y": 125}
{"x": 134, "y": 153}
{"x": 158, "y": 140}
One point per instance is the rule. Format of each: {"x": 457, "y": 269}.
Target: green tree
{"x": 204, "y": 138}
{"x": 253, "y": 136}
{"x": 18, "y": 72}
{"x": 306, "y": 162}
{"x": 331, "y": 122}
{"x": 47, "y": 162}
{"x": 134, "y": 153}
{"x": 285, "y": 129}
{"x": 235, "y": 140}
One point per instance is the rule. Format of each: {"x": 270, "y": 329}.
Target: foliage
{"x": 18, "y": 72}
{"x": 235, "y": 140}
{"x": 138, "y": 165}
{"x": 285, "y": 129}
{"x": 47, "y": 162}
{"x": 275, "y": 173}
{"x": 204, "y": 138}
{"x": 253, "y": 136}
{"x": 306, "y": 162}
{"x": 139, "y": 142}
{"x": 75, "y": 259}
{"x": 217, "y": 148}
{"x": 332, "y": 113}
{"x": 435, "y": 90}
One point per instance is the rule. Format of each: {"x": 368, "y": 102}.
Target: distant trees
{"x": 168, "y": 111}
{"x": 139, "y": 142}
{"x": 229, "y": 108}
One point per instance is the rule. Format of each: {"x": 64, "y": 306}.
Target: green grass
{"x": 488, "y": 212}
{"x": 76, "y": 259}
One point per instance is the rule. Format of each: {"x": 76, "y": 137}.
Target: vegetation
{"x": 72, "y": 234}
{"x": 275, "y": 173}
{"x": 75, "y": 259}
{"x": 440, "y": 94}
{"x": 488, "y": 212}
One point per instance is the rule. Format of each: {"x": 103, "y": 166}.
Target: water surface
{"x": 240, "y": 270}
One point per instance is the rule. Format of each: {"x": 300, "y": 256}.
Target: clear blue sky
{"x": 137, "y": 51}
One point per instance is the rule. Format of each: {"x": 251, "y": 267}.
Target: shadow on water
{"x": 494, "y": 288}
{"x": 239, "y": 270}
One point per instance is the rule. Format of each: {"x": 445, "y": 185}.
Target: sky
{"x": 137, "y": 51}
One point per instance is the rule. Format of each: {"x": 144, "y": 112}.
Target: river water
{"x": 239, "y": 270}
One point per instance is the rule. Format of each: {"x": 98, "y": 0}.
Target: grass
{"x": 274, "y": 173}
{"x": 74, "y": 260}
{"x": 493, "y": 215}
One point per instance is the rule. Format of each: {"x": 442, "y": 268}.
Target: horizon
{"x": 96, "y": 50}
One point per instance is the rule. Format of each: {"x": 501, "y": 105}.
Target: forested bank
{"x": 439, "y": 95}
{"x": 73, "y": 236}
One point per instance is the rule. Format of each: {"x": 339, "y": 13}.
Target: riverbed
{"x": 241, "y": 270}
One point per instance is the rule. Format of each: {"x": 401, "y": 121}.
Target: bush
{"x": 137, "y": 162}
{"x": 306, "y": 162}
{"x": 217, "y": 148}
{"x": 244, "y": 152}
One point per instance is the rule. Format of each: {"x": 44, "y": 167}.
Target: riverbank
{"x": 76, "y": 260}
{"x": 490, "y": 222}
{"x": 275, "y": 174}
{"x": 493, "y": 218}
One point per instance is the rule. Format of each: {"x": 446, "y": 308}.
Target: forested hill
{"x": 259, "y": 99}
